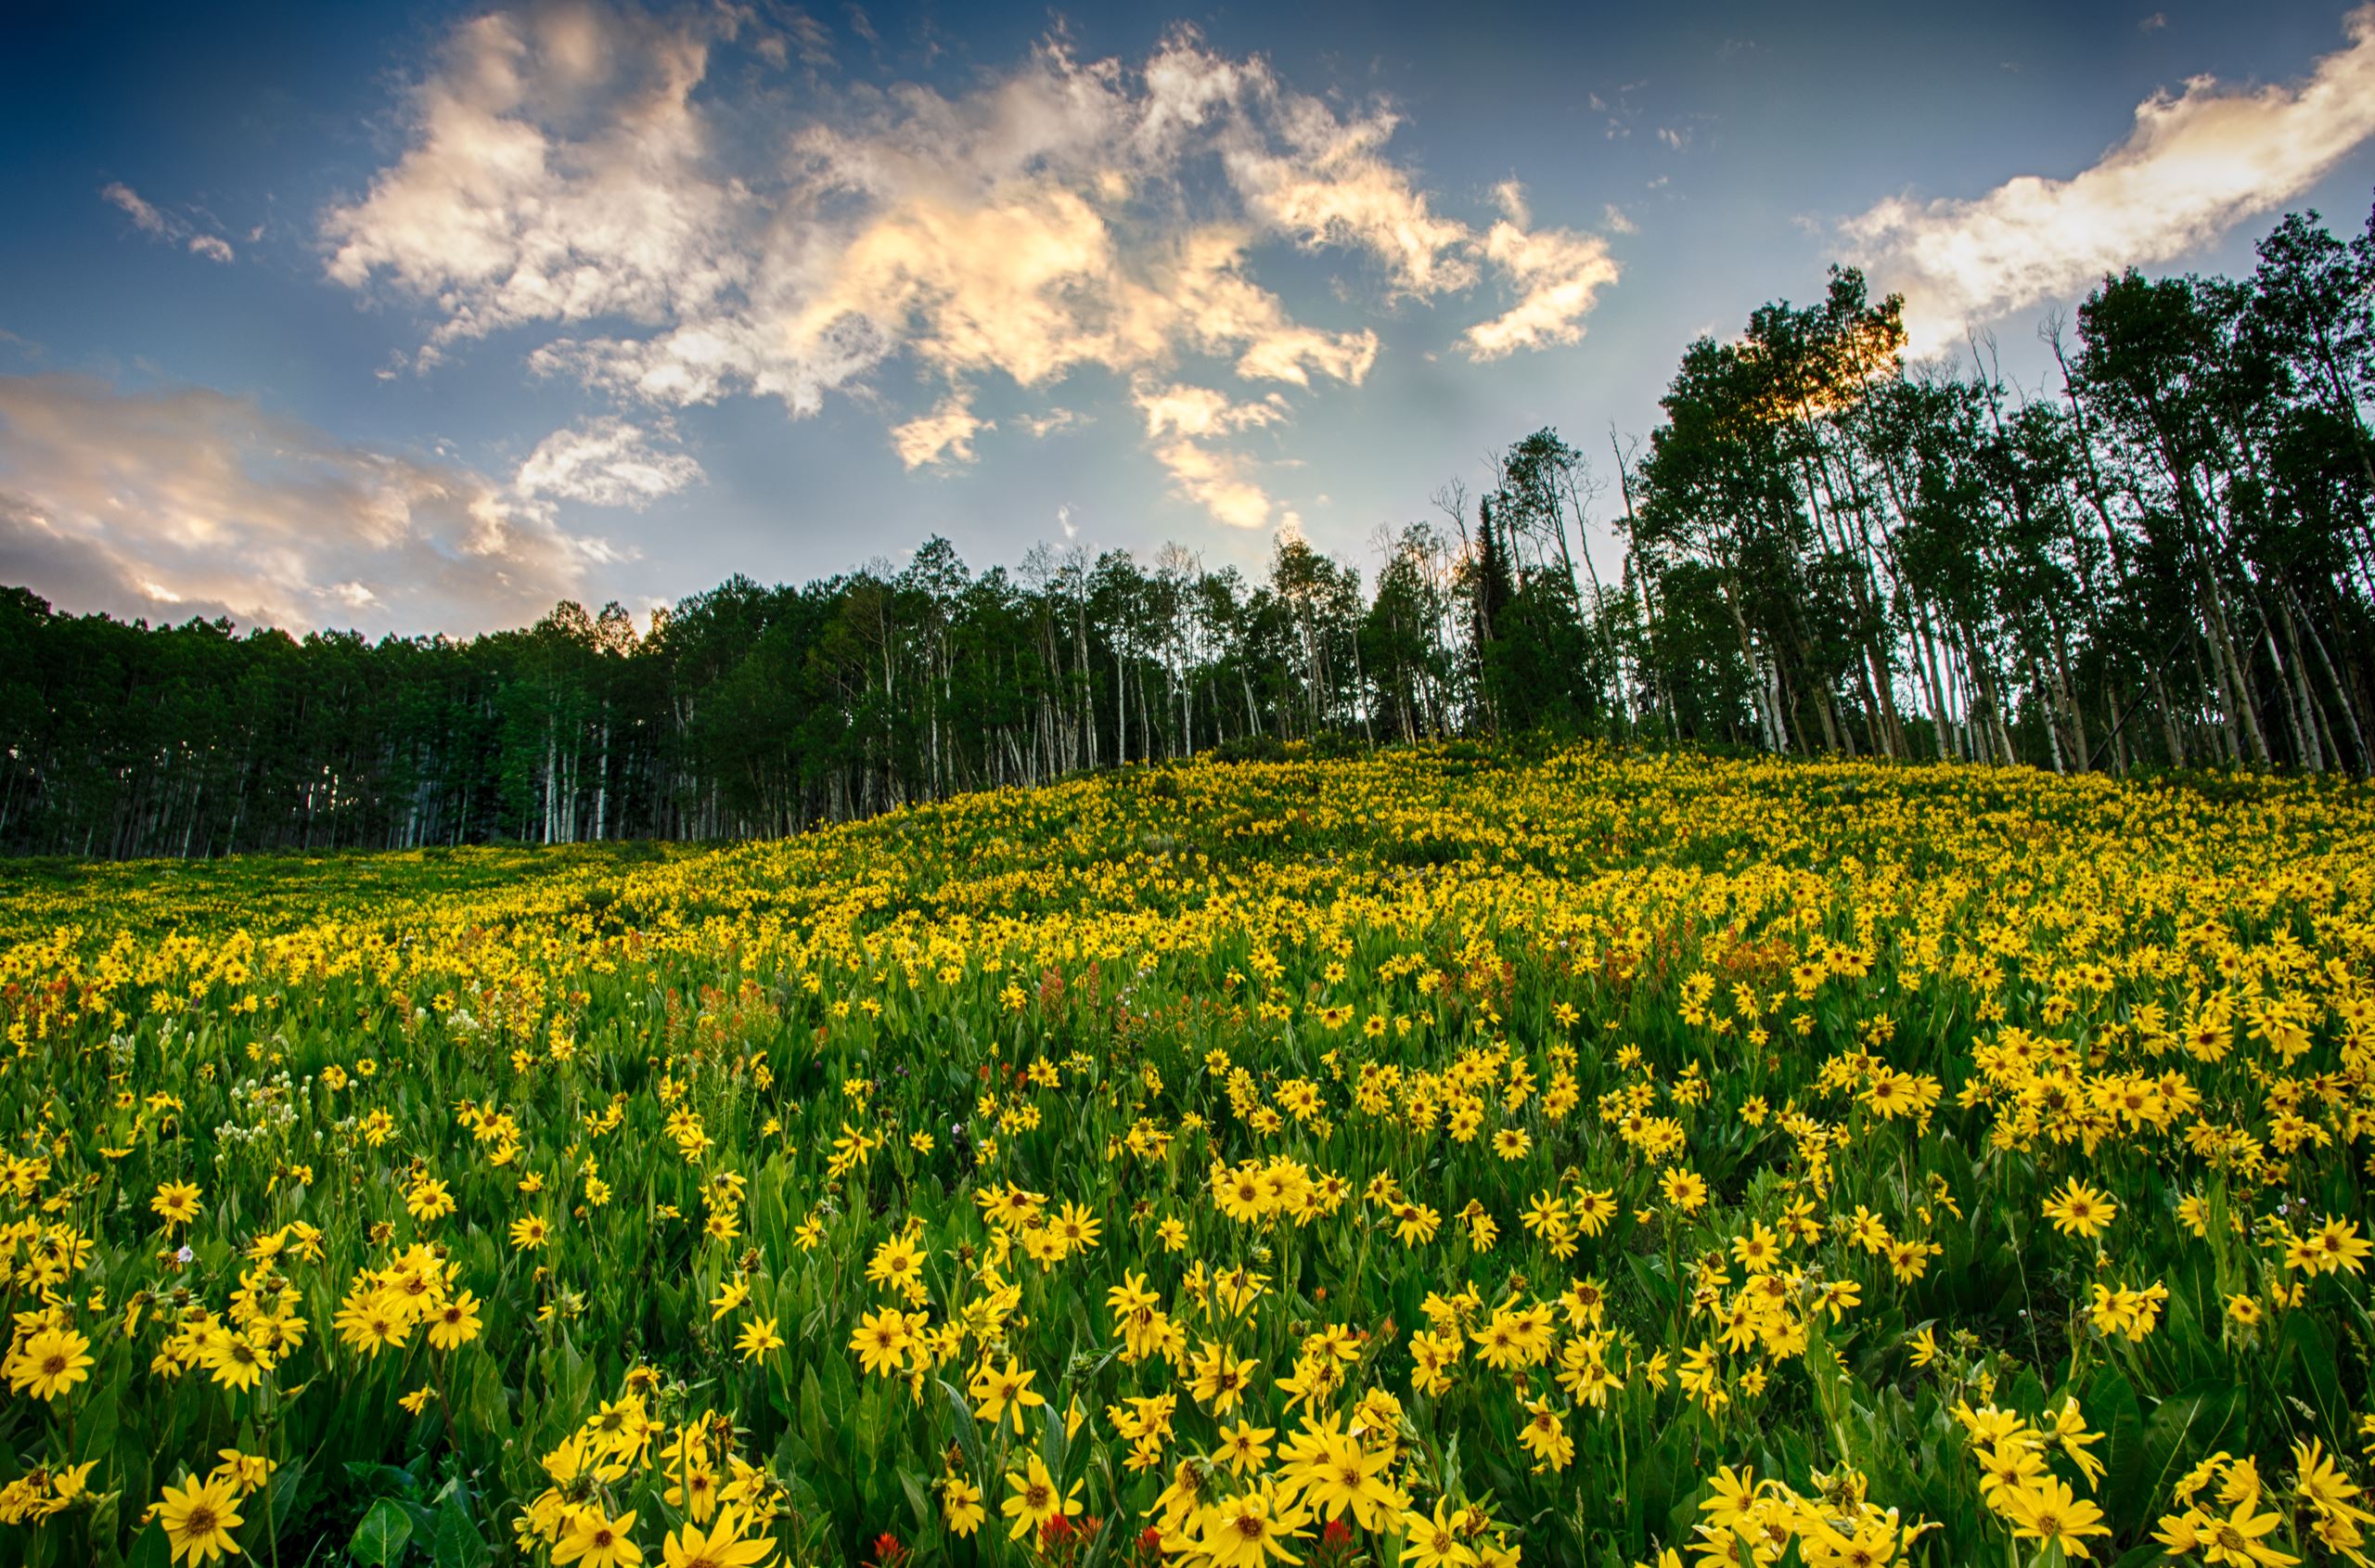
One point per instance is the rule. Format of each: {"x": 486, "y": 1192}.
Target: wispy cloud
{"x": 1183, "y": 424}
{"x": 1557, "y": 274}
{"x": 1044, "y": 425}
{"x": 943, "y": 437}
{"x": 172, "y": 227}
{"x": 607, "y": 462}
{"x": 567, "y": 168}
{"x": 188, "y": 500}
{"x": 2196, "y": 164}
{"x": 145, "y": 218}
{"x": 496, "y": 216}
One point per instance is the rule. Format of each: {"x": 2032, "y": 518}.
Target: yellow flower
{"x": 881, "y": 1340}
{"x": 1686, "y": 1190}
{"x": 1336, "y": 1473}
{"x": 2240, "y": 1538}
{"x": 2077, "y": 1210}
{"x": 176, "y": 1203}
{"x": 961, "y": 1504}
{"x": 1250, "y": 1529}
{"x": 1218, "y": 1380}
{"x": 722, "y": 1546}
{"x": 51, "y": 1362}
{"x": 1731, "y": 1495}
{"x": 2045, "y": 1509}
{"x": 1033, "y": 1500}
{"x": 994, "y": 1391}
{"x": 759, "y": 1337}
{"x": 1434, "y": 1542}
{"x": 428, "y": 1199}
{"x": 598, "y": 1541}
{"x": 456, "y": 1323}
{"x": 1245, "y": 1445}
{"x": 234, "y": 1359}
{"x": 2068, "y": 1427}
{"x": 244, "y": 1472}
{"x": 199, "y": 1520}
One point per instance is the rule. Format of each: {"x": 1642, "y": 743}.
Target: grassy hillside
{"x": 1429, "y": 1158}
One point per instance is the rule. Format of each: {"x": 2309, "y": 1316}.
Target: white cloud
{"x": 496, "y": 215}
{"x": 154, "y": 222}
{"x": 1557, "y": 274}
{"x": 200, "y": 501}
{"x": 1041, "y": 426}
{"x": 568, "y": 168}
{"x": 606, "y": 462}
{"x": 1327, "y": 183}
{"x": 944, "y": 436}
{"x": 145, "y": 218}
{"x": 1214, "y": 480}
{"x": 1200, "y": 411}
{"x": 2195, "y": 165}
{"x": 1181, "y": 422}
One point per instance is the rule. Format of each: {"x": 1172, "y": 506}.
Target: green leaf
{"x": 489, "y": 1414}
{"x": 815, "y": 1422}
{"x": 2110, "y": 1408}
{"x": 1055, "y": 1446}
{"x": 106, "y": 1408}
{"x": 380, "y": 1538}
{"x": 378, "y": 1480}
{"x": 458, "y": 1543}
{"x": 2181, "y": 1430}
{"x": 152, "y": 1549}
{"x": 282, "y": 1502}
{"x": 107, "y": 1531}
{"x": 913, "y": 1485}
{"x": 1101, "y": 1548}
{"x": 969, "y": 1436}
{"x": 2308, "y": 1347}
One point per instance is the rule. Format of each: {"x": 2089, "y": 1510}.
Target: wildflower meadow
{"x": 1458, "y": 1156}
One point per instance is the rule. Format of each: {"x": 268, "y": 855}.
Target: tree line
{"x": 2162, "y": 556}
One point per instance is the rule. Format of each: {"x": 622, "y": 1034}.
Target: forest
{"x": 2162, "y": 557}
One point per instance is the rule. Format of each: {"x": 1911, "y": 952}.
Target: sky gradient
{"x": 418, "y": 319}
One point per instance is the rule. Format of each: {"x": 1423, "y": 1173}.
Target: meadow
{"x": 1449, "y": 1158}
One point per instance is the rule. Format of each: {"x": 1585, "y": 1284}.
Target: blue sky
{"x": 418, "y": 318}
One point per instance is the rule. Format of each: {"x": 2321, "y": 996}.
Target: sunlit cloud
{"x": 1556, "y": 274}
{"x": 944, "y": 436}
{"x": 1182, "y": 423}
{"x": 606, "y": 462}
{"x": 191, "y": 501}
{"x": 2195, "y": 165}
{"x": 565, "y": 168}
{"x": 1044, "y": 425}
{"x": 1200, "y": 411}
{"x": 1214, "y": 480}
{"x": 495, "y": 216}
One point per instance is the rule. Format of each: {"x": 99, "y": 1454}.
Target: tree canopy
{"x": 2164, "y": 557}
